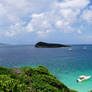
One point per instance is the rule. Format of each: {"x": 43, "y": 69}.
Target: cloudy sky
{"x": 30, "y": 21}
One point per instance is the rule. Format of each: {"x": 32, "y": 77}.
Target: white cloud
{"x": 73, "y": 4}
{"x": 70, "y": 15}
{"x": 67, "y": 29}
{"x": 13, "y": 11}
{"x": 79, "y": 31}
{"x": 64, "y": 27}
{"x": 59, "y": 24}
{"x": 37, "y": 15}
{"x": 29, "y": 28}
{"x": 46, "y": 16}
{"x": 61, "y": 16}
{"x": 39, "y": 24}
{"x": 10, "y": 33}
{"x": 15, "y": 30}
{"x": 2, "y": 10}
{"x": 87, "y": 16}
{"x": 44, "y": 33}
{"x": 88, "y": 39}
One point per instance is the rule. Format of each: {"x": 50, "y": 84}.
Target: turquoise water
{"x": 67, "y": 65}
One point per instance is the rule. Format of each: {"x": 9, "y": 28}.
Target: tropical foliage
{"x": 29, "y": 79}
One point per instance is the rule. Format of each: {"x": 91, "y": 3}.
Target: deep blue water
{"x": 67, "y": 65}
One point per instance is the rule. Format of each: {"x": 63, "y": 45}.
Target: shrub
{"x": 29, "y": 79}
{"x": 8, "y": 84}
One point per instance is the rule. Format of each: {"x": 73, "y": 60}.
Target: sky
{"x": 58, "y": 21}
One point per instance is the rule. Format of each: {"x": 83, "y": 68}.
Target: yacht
{"x": 70, "y": 49}
{"x": 84, "y": 47}
{"x": 82, "y": 78}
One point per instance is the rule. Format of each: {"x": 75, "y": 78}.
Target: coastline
{"x": 27, "y": 79}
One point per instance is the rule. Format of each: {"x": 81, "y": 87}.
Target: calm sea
{"x": 66, "y": 64}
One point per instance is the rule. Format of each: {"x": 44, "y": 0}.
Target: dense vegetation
{"x": 29, "y": 79}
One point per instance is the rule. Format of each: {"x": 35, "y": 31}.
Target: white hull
{"x": 87, "y": 77}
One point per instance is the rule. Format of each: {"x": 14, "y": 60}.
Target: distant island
{"x": 3, "y": 44}
{"x": 49, "y": 45}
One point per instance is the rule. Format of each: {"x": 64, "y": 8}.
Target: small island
{"x": 50, "y": 45}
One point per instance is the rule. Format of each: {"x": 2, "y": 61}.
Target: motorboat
{"x": 70, "y": 49}
{"x": 84, "y": 47}
{"x": 82, "y": 78}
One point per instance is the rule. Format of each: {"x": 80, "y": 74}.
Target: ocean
{"x": 66, "y": 64}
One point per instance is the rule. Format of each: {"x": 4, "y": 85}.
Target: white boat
{"x": 84, "y": 47}
{"x": 82, "y": 78}
{"x": 70, "y": 49}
